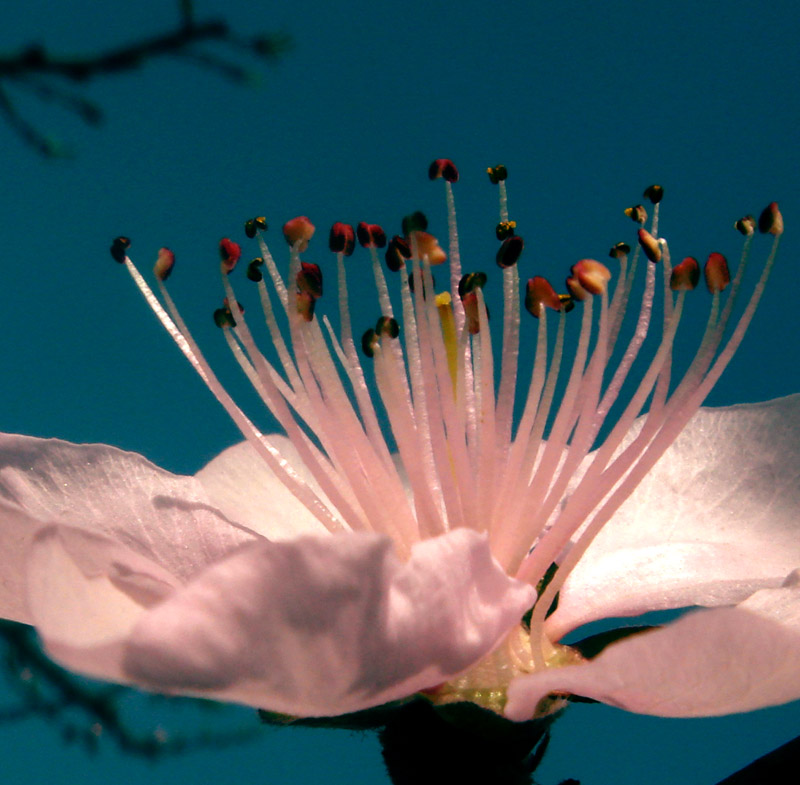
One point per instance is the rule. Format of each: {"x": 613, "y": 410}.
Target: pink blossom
{"x": 316, "y": 576}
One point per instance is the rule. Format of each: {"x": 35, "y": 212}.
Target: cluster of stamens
{"x": 465, "y": 457}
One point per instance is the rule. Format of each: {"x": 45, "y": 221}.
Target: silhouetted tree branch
{"x": 84, "y": 711}
{"x": 38, "y": 71}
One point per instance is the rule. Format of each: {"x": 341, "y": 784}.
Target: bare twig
{"x": 37, "y": 70}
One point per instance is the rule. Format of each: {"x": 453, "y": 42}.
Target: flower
{"x": 317, "y": 574}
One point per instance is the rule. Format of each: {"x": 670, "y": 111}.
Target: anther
{"x": 229, "y": 253}
{"x": 470, "y": 282}
{"x": 119, "y": 249}
{"x": 505, "y": 229}
{"x": 443, "y": 167}
{"x": 428, "y": 246}
{"x": 370, "y": 235}
{"x": 342, "y": 239}
{"x": 592, "y": 275}
{"x": 224, "y": 318}
{"x": 416, "y": 222}
{"x": 386, "y": 325}
{"x": 746, "y": 225}
{"x": 567, "y": 302}
{"x": 716, "y": 272}
{"x": 309, "y": 280}
{"x": 397, "y": 253}
{"x": 253, "y": 225}
{"x": 298, "y": 232}
{"x": 467, "y": 287}
{"x": 540, "y": 294}
{"x": 650, "y": 246}
{"x": 685, "y": 276}
{"x": 497, "y": 173}
{"x": 619, "y": 250}
{"x": 164, "y": 264}
{"x": 771, "y": 221}
{"x": 509, "y": 252}
{"x": 369, "y": 342}
{"x": 655, "y": 193}
{"x": 253, "y": 273}
{"x": 637, "y": 214}
{"x": 305, "y": 305}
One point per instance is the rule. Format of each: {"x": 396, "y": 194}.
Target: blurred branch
{"x": 770, "y": 768}
{"x": 37, "y": 70}
{"x": 47, "y": 690}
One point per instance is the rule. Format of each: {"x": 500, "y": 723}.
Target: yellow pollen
{"x": 445, "y": 305}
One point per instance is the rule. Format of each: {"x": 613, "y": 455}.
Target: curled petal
{"x": 324, "y": 626}
{"x": 707, "y": 663}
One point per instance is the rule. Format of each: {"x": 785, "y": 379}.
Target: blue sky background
{"x": 586, "y": 103}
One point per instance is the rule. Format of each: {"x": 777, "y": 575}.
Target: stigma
{"x": 421, "y": 420}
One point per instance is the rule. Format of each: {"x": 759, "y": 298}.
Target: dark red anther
{"x": 229, "y": 253}
{"x": 650, "y": 246}
{"x": 371, "y": 235}
{"x": 309, "y": 280}
{"x": 655, "y": 193}
{"x": 509, "y": 251}
{"x": 305, "y": 303}
{"x": 717, "y": 274}
{"x": 685, "y": 276}
{"x": 443, "y": 167}
{"x": 397, "y": 253}
{"x": 164, "y": 264}
{"x": 771, "y": 221}
{"x": 119, "y": 249}
{"x": 342, "y": 239}
{"x": 540, "y": 294}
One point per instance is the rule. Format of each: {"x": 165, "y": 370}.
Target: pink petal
{"x": 162, "y": 516}
{"x": 239, "y": 483}
{"x": 16, "y": 530}
{"x": 86, "y": 592}
{"x": 708, "y": 663}
{"x": 713, "y": 521}
{"x": 328, "y": 625}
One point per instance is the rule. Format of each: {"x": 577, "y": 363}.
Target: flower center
{"x": 431, "y": 372}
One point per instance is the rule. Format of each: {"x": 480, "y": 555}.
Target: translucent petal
{"x": 713, "y": 521}
{"x": 162, "y": 516}
{"x": 708, "y": 663}
{"x": 324, "y": 626}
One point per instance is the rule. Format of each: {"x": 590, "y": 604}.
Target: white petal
{"x": 716, "y": 518}
{"x": 240, "y": 484}
{"x": 328, "y": 625}
{"x": 708, "y": 663}
{"x": 162, "y": 516}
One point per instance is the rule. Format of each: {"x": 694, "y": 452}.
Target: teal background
{"x": 586, "y": 103}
